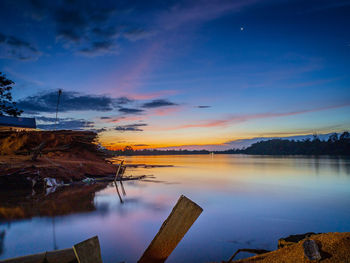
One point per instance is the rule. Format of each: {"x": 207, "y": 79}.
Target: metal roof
{"x": 17, "y": 122}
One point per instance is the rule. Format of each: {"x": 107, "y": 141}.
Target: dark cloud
{"x": 75, "y": 101}
{"x": 69, "y": 101}
{"x": 99, "y": 48}
{"x": 203, "y": 107}
{"x": 16, "y": 48}
{"x": 101, "y": 130}
{"x": 123, "y": 100}
{"x": 130, "y": 110}
{"x": 158, "y": 103}
{"x": 108, "y": 32}
{"x": 89, "y": 28}
{"x": 131, "y": 127}
{"x": 45, "y": 119}
{"x": 47, "y": 123}
{"x": 141, "y": 145}
{"x": 138, "y": 34}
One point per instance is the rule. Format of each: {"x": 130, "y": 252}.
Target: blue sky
{"x": 177, "y": 73}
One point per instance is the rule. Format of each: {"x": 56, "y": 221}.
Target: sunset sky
{"x": 180, "y": 73}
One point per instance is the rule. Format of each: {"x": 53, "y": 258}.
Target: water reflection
{"x": 248, "y": 201}
{"x": 122, "y": 188}
{"x": 2, "y": 238}
{"x": 15, "y": 205}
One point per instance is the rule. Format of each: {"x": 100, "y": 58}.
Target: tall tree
{"x": 7, "y": 106}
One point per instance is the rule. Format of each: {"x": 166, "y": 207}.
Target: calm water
{"x": 248, "y": 202}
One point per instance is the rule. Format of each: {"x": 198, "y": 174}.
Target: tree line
{"x": 335, "y": 145}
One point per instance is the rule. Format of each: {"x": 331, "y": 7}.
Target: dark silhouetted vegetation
{"x": 128, "y": 150}
{"x": 7, "y": 106}
{"x": 335, "y": 145}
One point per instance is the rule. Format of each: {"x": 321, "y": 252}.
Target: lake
{"x": 248, "y": 202}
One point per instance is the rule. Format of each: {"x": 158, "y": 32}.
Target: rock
{"x": 311, "y": 250}
{"x": 292, "y": 239}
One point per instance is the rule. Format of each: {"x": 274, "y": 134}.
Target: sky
{"x": 184, "y": 74}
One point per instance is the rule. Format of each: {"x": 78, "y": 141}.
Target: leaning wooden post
{"x": 118, "y": 171}
{"x": 88, "y": 251}
{"x": 181, "y": 218}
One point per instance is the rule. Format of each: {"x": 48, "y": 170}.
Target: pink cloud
{"x": 200, "y": 11}
{"x": 243, "y": 118}
{"x": 152, "y": 95}
{"x": 196, "y": 12}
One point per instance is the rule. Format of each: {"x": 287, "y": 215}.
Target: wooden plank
{"x": 174, "y": 228}
{"x": 88, "y": 251}
{"x": 56, "y": 256}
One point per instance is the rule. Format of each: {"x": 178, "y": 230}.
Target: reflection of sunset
{"x": 248, "y": 195}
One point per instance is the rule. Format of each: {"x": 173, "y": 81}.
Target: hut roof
{"x": 6, "y": 121}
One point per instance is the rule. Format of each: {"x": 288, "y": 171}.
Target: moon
{"x": 242, "y": 28}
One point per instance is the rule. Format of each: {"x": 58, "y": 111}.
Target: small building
{"x": 16, "y": 123}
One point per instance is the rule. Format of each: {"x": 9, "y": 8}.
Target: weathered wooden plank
{"x": 174, "y": 228}
{"x": 56, "y": 256}
{"x": 88, "y": 251}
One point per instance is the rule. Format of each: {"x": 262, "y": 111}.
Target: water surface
{"x": 248, "y": 202}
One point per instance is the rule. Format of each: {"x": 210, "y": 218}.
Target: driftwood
{"x": 181, "y": 218}
{"x": 249, "y": 250}
{"x": 292, "y": 239}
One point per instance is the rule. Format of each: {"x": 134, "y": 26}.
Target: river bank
{"x": 37, "y": 158}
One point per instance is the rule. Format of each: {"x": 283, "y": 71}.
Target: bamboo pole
{"x": 174, "y": 228}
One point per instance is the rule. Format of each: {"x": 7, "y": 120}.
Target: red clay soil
{"x": 67, "y": 155}
{"x": 334, "y": 247}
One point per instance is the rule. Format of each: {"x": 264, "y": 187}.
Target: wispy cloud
{"x": 195, "y": 12}
{"x": 130, "y": 110}
{"x": 243, "y": 118}
{"x": 131, "y": 127}
{"x": 17, "y": 48}
{"x": 158, "y": 103}
{"x": 203, "y": 107}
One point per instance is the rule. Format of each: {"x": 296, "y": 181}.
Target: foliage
{"x": 335, "y": 145}
{"x": 7, "y": 106}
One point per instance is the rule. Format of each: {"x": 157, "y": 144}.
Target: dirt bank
{"x": 64, "y": 155}
{"x": 334, "y": 247}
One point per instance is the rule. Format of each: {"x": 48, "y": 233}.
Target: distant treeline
{"x": 335, "y": 145}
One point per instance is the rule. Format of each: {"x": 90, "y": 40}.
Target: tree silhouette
{"x": 128, "y": 150}
{"x": 7, "y": 106}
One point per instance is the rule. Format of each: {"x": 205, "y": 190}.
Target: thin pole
{"x": 58, "y": 101}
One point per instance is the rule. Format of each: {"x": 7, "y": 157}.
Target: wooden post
{"x": 118, "y": 171}
{"x": 174, "y": 228}
{"x": 88, "y": 251}
{"x": 57, "y": 256}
